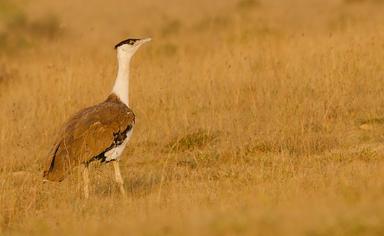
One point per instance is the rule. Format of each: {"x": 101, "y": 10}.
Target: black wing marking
{"x": 119, "y": 138}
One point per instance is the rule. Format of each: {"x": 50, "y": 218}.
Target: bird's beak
{"x": 142, "y": 41}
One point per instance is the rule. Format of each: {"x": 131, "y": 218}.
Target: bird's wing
{"x": 86, "y": 135}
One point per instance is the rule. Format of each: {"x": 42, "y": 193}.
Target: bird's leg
{"x": 86, "y": 181}
{"x": 118, "y": 177}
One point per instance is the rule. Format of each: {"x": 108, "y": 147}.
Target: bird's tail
{"x": 55, "y": 168}
{"x": 53, "y": 175}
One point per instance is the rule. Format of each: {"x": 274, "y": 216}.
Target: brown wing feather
{"x": 86, "y": 135}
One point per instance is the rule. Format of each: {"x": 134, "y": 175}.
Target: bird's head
{"x": 128, "y": 47}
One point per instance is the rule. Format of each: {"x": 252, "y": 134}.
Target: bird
{"x": 100, "y": 132}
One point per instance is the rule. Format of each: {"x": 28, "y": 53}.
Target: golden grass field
{"x": 248, "y": 116}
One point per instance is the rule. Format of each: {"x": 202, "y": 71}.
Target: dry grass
{"x": 248, "y": 116}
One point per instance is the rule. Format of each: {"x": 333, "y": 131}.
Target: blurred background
{"x": 98, "y": 24}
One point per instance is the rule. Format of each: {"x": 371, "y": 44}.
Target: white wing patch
{"x": 115, "y": 153}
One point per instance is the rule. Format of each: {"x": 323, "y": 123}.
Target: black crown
{"x": 126, "y": 41}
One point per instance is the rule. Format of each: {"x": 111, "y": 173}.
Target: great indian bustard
{"x": 99, "y": 132}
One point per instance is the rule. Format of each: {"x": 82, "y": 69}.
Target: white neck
{"x": 121, "y": 87}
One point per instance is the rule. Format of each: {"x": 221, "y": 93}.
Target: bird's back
{"x": 88, "y": 134}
